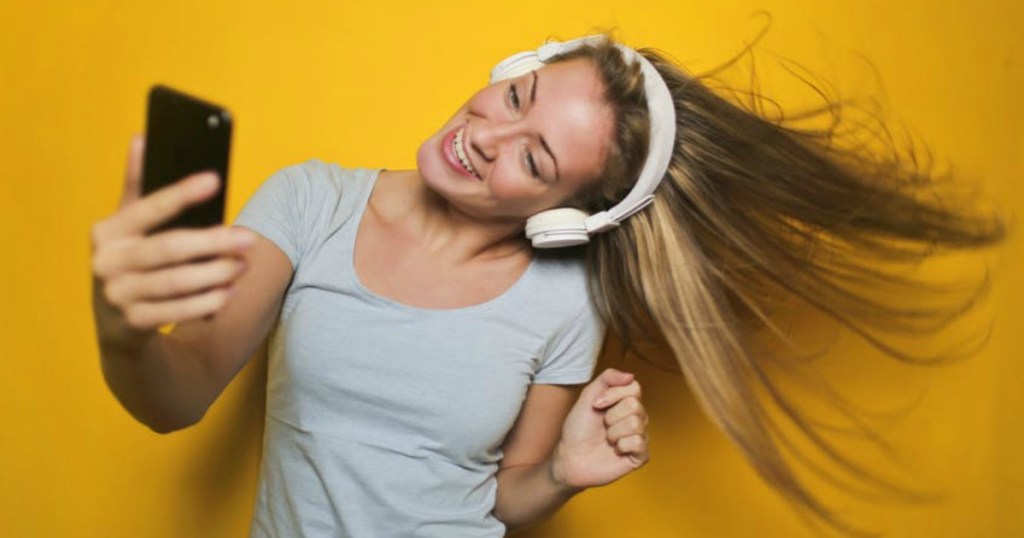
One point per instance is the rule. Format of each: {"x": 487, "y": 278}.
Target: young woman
{"x": 426, "y": 348}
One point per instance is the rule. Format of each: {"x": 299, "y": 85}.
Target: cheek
{"x": 510, "y": 183}
{"x": 426, "y": 160}
{"x": 523, "y": 194}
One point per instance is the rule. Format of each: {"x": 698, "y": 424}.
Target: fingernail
{"x": 599, "y": 402}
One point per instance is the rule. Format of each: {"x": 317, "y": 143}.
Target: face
{"x": 523, "y": 145}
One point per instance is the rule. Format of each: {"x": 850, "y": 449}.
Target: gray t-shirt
{"x": 385, "y": 419}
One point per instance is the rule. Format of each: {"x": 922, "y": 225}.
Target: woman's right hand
{"x": 142, "y": 282}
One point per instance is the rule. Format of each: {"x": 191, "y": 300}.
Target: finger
{"x": 635, "y": 447}
{"x": 608, "y": 378}
{"x": 627, "y": 427}
{"x": 149, "y": 316}
{"x": 146, "y": 213}
{"x": 133, "y": 170}
{"x": 174, "y": 282}
{"x": 179, "y": 246}
{"x": 630, "y": 405}
{"x": 613, "y": 395}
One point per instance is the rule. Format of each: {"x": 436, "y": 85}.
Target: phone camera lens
{"x": 213, "y": 121}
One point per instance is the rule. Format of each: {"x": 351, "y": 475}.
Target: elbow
{"x": 164, "y": 428}
{"x": 166, "y": 424}
{"x": 509, "y": 523}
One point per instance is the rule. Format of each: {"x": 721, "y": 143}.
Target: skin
{"x": 463, "y": 233}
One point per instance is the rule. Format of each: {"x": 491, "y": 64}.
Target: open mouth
{"x": 455, "y": 151}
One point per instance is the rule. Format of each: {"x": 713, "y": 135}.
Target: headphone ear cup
{"x": 516, "y": 65}
{"x": 562, "y": 227}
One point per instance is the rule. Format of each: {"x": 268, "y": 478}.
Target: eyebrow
{"x": 544, "y": 143}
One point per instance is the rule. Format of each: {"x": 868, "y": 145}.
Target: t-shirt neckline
{"x": 357, "y": 217}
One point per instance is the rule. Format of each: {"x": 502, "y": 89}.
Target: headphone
{"x": 566, "y": 226}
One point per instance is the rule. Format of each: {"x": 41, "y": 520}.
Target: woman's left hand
{"x": 604, "y": 437}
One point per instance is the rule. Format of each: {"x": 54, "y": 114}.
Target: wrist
{"x": 558, "y": 476}
{"x": 113, "y": 333}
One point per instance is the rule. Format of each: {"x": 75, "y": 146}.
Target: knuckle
{"x": 631, "y": 404}
{"x": 218, "y": 299}
{"x": 167, "y": 245}
{"x": 160, "y": 202}
{"x": 135, "y": 317}
{"x": 174, "y": 281}
{"x": 104, "y": 265}
{"x": 226, "y": 239}
{"x": 97, "y": 233}
{"x": 228, "y": 269}
{"x": 112, "y": 293}
{"x": 99, "y": 266}
{"x": 173, "y": 246}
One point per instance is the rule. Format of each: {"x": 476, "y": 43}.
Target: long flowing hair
{"x": 756, "y": 210}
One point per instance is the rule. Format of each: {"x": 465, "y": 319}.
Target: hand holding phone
{"x": 159, "y": 259}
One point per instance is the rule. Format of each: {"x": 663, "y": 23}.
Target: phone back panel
{"x": 185, "y": 135}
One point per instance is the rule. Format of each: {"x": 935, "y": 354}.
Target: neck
{"x": 442, "y": 227}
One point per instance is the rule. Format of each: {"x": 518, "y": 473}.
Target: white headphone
{"x": 567, "y": 226}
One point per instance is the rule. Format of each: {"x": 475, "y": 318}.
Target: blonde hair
{"x": 752, "y": 209}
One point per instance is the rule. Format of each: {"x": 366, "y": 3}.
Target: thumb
{"x": 133, "y": 171}
{"x": 608, "y": 379}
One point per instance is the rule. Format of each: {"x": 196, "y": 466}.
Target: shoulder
{"x": 319, "y": 189}
{"x": 563, "y": 273}
{"x": 316, "y": 173}
{"x": 559, "y": 290}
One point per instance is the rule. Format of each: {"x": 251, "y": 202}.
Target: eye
{"x": 513, "y": 96}
{"x": 532, "y": 165}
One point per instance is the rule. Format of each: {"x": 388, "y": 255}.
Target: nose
{"x": 488, "y": 137}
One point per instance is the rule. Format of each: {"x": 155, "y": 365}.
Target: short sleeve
{"x": 570, "y": 356}
{"x": 286, "y": 207}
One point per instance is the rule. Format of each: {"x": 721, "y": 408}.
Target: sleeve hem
{"x": 570, "y": 377}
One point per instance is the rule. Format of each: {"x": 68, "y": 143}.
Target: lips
{"x": 448, "y": 149}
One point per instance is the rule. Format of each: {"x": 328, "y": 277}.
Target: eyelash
{"x": 513, "y": 97}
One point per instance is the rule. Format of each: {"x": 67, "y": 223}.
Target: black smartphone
{"x": 185, "y": 135}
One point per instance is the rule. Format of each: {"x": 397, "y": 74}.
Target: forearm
{"x": 160, "y": 383}
{"x": 529, "y": 494}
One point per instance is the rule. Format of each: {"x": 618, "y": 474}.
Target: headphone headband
{"x": 662, "y": 113}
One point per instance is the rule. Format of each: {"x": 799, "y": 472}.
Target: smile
{"x": 455, "y": 153}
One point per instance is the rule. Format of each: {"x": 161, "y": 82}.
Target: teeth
{"x": 460, "y": 152}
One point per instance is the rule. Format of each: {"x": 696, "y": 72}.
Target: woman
{"x": 452, "y": 413}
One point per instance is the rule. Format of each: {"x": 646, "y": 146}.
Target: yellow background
{"x": 362, "y": 83}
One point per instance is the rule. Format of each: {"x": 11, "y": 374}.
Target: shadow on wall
{"x": 218, "y": 482}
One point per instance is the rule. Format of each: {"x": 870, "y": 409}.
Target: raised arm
{"x": 222, "y": 287}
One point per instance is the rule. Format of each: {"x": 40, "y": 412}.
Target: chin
{"x": 428, "y": 164}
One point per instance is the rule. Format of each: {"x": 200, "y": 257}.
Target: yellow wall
{"x": 361, "y": 83}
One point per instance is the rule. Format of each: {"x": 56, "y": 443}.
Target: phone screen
{"x": 186, "y": 135}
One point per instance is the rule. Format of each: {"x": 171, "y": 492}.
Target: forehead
{"x": 573, "y": 116}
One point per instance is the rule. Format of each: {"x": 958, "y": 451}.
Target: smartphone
{"x": 185, "y": 135}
